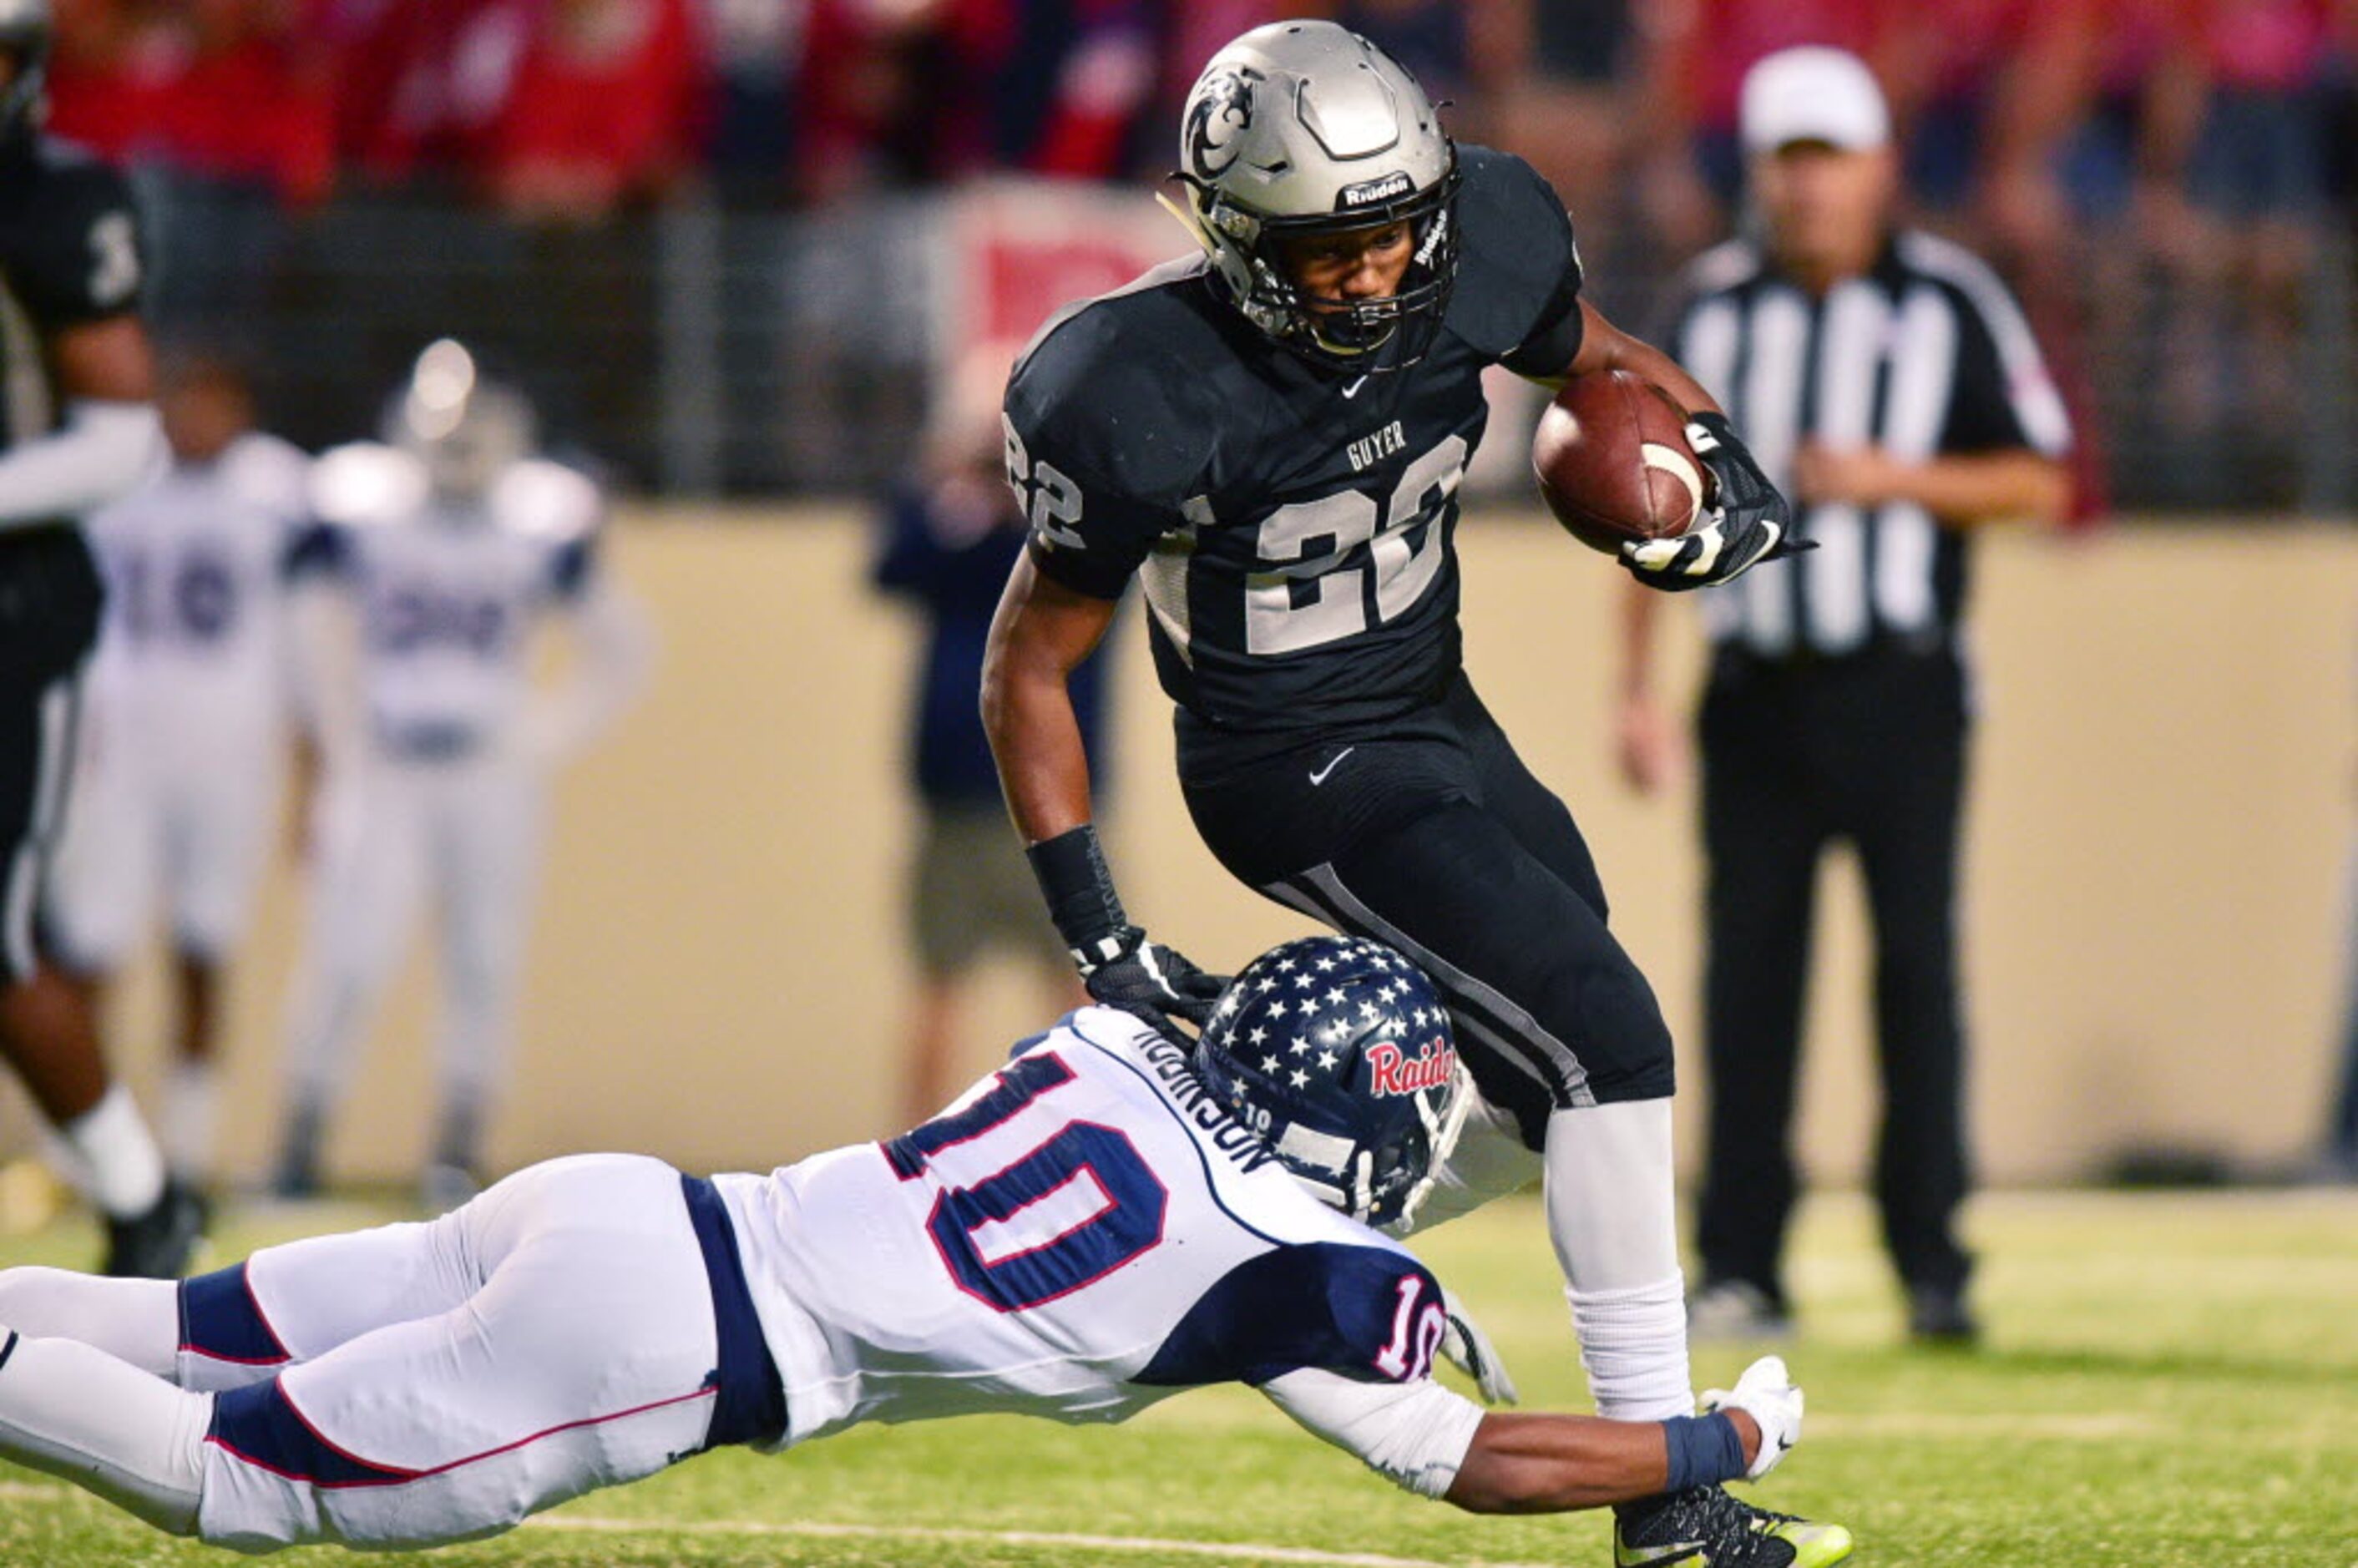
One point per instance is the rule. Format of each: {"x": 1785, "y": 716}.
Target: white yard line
{"x": 1219, "y": 1550}
{"x": 1233, "y": 1552}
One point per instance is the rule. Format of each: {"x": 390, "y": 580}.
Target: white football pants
{"x": 414, "y": 1384}
{"x": 157, "y": 819}
{"x": 389, "y": 834}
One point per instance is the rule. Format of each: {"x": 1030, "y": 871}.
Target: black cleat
{"x": 1938, "y": 1316}
{"x": 296, "y": 1175}
{"x": 156, "y": 1245}
{"x": 1704, "y": 1527}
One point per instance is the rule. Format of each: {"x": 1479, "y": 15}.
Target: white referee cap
{"x": 1812, "y": 94}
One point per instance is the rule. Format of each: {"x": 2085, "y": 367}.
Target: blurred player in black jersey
{"x": 1272, "y": 435}
{"x": 77, "y": 428}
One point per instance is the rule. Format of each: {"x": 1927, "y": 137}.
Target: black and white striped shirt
{"x": 1926, "y": 356}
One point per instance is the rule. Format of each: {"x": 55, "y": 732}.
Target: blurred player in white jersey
{"x": 434, "y": 558}
{"x": 177, "y": 783}
{"x": 1110, "y": 1219}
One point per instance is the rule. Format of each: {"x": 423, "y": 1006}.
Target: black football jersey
{"x": 1293, "y": 527}
{"x": 68, "y": 254}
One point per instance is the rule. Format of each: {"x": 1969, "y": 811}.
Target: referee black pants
{"x": 1870, "y": 749}
{"x": 1429, "y": 834}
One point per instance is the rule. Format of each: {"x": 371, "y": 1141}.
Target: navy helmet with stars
{"x": 1337, "y": 1052}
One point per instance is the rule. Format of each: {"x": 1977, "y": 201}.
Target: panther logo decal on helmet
{"x": 1218, "y": 120}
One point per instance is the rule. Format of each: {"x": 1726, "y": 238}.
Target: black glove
{"x": 1749, "y": 522}
{"x": 1148, "y": 980}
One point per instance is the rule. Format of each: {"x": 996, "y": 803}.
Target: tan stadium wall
{"x": 2163, "y": 798}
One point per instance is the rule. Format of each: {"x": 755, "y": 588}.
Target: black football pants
{"x": 1431, "y": 835}
{"x": 1870, "y": 749}
{"x": 49, "y": 601}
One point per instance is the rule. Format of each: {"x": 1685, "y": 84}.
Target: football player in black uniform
{"x": 1272, "y": 435}
{"x": 77, "y": 428}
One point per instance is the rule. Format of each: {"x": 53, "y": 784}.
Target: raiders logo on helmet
{"x": 1217, "y": 121}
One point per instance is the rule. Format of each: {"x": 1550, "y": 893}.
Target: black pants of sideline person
{"x": 1797, "y": 756}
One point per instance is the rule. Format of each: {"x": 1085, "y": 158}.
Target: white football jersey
{"x": 1081, "y": 1234}
{"x": 196, "y": 565}
{"x": 448, "y": 595}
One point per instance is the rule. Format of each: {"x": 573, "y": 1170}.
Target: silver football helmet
{"x": 1306, "y": 127}
{"x": 26, "y": 32}
{"x": 466, "y": 429}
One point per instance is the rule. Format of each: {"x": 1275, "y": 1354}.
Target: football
{"x": 1613, "y": 463}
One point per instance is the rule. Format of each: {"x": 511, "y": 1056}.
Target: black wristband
{"x": 1071, "y": 871}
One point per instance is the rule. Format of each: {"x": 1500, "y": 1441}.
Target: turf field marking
{"x": 1234, "y": 1551}
{"x": 1230, "y": 1550}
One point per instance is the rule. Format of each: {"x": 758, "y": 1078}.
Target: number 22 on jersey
{"x": 1403, "y": 566}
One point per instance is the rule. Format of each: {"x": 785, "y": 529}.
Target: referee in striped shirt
{"x": 1885, "y": 379}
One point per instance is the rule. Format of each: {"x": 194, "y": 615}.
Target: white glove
{"x": 1470, "y": 1351}
{"x": 1767, "y": 1394}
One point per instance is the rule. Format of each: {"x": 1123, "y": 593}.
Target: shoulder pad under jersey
{"x": 366, "y": 484}
{"x": 545, "y": 499}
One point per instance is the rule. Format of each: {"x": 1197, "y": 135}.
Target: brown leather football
{"x": 1613, "y": 463}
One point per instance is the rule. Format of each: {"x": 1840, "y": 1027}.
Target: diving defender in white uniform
{"x": 434, "y": 559}
{"x": 1110, "y": 1219}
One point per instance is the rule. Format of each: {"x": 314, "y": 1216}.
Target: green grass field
{"x": 2169, "y": 1380}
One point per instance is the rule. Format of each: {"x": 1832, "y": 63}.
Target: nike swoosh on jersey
{"x": 1318, "y": 775}
{"x": 1353, "y": 389}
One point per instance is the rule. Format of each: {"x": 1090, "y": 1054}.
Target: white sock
{"x": 1612, "y": 1211}
{"x": 191, "y": 1108}
{"x": 134, "y": 1321}
{"x": 78, "y": 1412}
{"x": 1634, "y": 1346}
{"x": 126, "y": 1169}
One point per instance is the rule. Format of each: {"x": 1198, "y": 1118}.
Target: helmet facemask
{"x": 1363, "y": 336}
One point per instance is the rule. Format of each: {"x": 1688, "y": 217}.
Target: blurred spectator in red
{"x": 1051, "y": 87}
{"x": 861, "y": 105}
{"x": 555, "y": 110}
{"x": 249, "y": 100}
{"x": 395, "y": 70}
{"x": 1563, "y": 99}
{"x": 604, "y": 107}
{"x": 225, "y": 90}
{"x": 106, "y": 77}
{"x": 1692, "y": 62}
